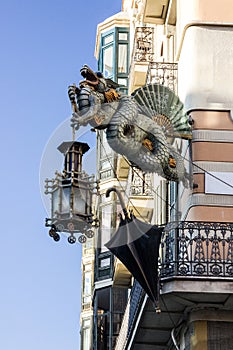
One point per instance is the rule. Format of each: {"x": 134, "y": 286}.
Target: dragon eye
{"x": 99, "y": 74}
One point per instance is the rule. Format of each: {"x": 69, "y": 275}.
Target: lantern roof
{"x": 66, "y": 146}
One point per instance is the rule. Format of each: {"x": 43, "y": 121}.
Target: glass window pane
{"x": 123, "y": 36}
{"x": 105, "y": 164}
{"x": 65, "y": 200}
{"x": 122, "y": 81}
{"x": 108, "y": 39}
{"x": 87, "y": 283}
{"x": 105, "y": 262}
{"x": 108, "y": 61}
{"x": 122, "y": 58}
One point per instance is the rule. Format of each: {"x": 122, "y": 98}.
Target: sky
{"x": 43, "y": 46}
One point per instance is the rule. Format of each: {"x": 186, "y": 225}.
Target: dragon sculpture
{"x": 141, "y": 127}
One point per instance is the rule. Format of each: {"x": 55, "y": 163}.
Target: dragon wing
{"x": 163, "y": 106}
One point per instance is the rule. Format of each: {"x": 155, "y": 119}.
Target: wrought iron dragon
{"x": 141, "y": 127}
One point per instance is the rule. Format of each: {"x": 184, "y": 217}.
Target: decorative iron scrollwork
{"x": 143, "y": 44}
{"x": 197, "y": 249}
{"x": 199, "y": 269}
{"x": 165, "y": 73}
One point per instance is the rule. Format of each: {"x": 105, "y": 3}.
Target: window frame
{"x": 115, "y": 43}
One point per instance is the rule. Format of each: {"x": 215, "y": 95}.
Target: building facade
{"x": 187, "y": 46}
{"x": 112, "y": 53}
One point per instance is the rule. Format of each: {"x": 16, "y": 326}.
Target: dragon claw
{"x": 172, "y": 162}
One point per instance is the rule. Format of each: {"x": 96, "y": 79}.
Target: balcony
{"x": 196, "y": 280}
{"x": 197, "y": 249}
{"x": 142, "y": 54}
{"x": 164, "y": 73}
{"x": 144, "y": 69}
{"x": 141, "y": 184}
{"x": 143, "y": 44}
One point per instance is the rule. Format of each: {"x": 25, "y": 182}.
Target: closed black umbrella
{"x": 136, "y": 245}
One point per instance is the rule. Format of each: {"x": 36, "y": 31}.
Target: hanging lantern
{"x": 71, "y": 196}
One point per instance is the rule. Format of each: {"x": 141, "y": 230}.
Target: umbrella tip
{"x": 157, "y": 309}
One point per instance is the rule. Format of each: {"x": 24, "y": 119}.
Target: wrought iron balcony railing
{"x": 164, "y": 73}
{"x": 141, "y": 184}
{"x": 201, "y": 249}
{"x": 143, "y": 44}
{"x": 188, "y": 249}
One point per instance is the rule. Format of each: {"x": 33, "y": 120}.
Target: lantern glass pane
{"x": 89, "y": 202}
{"x": 65, "y": 206}
{"x": 55, "y": 202}
{"x": 79, "y": 201}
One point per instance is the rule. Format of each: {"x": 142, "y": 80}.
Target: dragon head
{"x": 92, "y": 79}
{"x": 90, "y": 98}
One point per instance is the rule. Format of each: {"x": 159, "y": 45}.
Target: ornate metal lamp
{"x": 71, "y": 196}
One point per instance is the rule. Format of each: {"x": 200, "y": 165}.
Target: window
{"x": 122, "y": 58}
{"x": 87, "y": 275}
{"x": 108, "y": 39}
{"x": 113, "y": 60}
{"x": 122, "y": 53}
{"x": 122, "y": 82}
{"x": 105, "y": 164}
{"x": 123, "y": 36}
{"x": 87, "y": 283}
{"x": 108, "y": 61}
{"x": 105, "y": 262}
{"x": 173, "y": 201}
